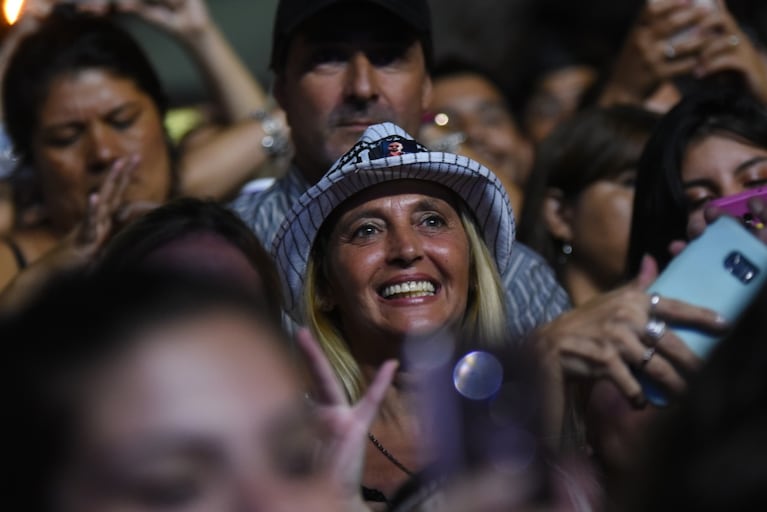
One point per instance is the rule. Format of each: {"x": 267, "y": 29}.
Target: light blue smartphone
{"x": 721, "y": 270}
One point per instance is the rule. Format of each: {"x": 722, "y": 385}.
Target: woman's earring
{"x": 565, "y": 250}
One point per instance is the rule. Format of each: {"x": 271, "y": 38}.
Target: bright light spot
{"x": 441, "y": 119}
{"x": 12, "y": 10}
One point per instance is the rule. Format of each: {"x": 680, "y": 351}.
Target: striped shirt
{"x": 533, "y": 296}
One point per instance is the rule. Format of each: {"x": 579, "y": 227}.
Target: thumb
{"x": 648, "y": 272}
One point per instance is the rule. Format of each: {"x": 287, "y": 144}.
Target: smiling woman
{"x": 396, "y": 243}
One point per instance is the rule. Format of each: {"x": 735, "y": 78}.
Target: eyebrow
{"x": 116, "y": 110}
{"x": 742, "y": 167}
{"x": 424, "y": 204}
{"x": 153, "y": 448}
{"x": 749, "y": 163}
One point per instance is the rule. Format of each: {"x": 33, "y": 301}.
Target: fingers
{"x": 624, "y": 380}
{"x": 124, "y": 177}
{"x": 97, "y": 7}
{"x": 674, "y": 349}
{"x": 683, "y": 313}
{"x": 648, "y": 272}
{"x": 88, "y": 233}
{"x": 367, "y": 407}
{"x": 676, "y": 246}
{"x": 758, "y": 209}
{"x": 328, "y": 388}
{"x": 675, "y": 19}
{"x": 661, "y": 371}
{"x": 103, "y": 205}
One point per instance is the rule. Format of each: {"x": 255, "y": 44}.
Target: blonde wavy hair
{"x": 484, "y": 319}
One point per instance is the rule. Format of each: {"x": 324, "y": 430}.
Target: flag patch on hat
{"x": 394, "y": 146}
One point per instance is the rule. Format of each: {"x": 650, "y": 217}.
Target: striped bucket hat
{"x": 386, "y": 153}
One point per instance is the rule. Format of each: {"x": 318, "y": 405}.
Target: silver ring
{"x": 654, "y": 301}
{"x": 655, "y": 329}
{"x": 646, "y": 357}
{"x": 669, "y": 51}
{"x": 734, "y": 40}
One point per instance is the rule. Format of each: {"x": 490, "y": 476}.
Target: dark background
{"x": 512, "y": 38}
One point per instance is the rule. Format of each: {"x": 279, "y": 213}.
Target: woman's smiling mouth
{"x": 408, "y": 289}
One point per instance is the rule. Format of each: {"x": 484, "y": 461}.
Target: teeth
{"x": 409, "y": 289}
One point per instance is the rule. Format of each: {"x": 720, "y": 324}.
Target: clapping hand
{"x": 181, "y": 18}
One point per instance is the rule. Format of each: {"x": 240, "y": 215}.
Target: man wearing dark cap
{"x": 342, "y": 65}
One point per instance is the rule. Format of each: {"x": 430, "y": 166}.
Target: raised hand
{"x": 345, "y": 427}
{"x": 181, "y": 18}
{"x": 103, "y": 206}
{"x": 662, "y": 44}
{"x": 728, "y": 48}
{"x": 81, "y": 245}
{"x": 611, "y": 334}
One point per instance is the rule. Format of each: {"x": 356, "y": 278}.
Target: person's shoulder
{"x": 533, "y": 294}
{"x": 255, "y": 197}
{"x": 525, "y": 259}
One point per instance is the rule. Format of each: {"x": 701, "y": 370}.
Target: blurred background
{"x": 515, "y": 39}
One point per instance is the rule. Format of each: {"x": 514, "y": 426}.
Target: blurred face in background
{"x": 345, "y": 71}
{"x": 555, "y": 98}
{"x": 476, "y": 108}
{"x": 204, "y": 414}
{"x": 89, "y": 120}
{"x": 601, "y": 222}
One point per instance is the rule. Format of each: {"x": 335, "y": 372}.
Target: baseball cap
{"x": 384, "y": 153}
{"x": 291, "y": 14}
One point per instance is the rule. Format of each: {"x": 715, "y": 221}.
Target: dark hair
{"x": 453, "y": 66}
{"x": 77, "y": 321}
{"x": 184, "y": 216}
{"x": 65, "y": 43}
{"x": 660, "y": 208}
{"x": 710, "y": 453}
{"x": 596, "y": 144}
{"x": 300, "y": 16}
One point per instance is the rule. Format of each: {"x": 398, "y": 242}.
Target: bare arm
{"x": 228, "y": 156}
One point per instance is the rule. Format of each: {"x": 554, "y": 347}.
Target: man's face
{"x": 344, "y": 71}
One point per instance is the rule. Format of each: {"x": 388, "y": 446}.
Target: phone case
{"x": 721, "y": 270}
{"x": 737, "y": 205}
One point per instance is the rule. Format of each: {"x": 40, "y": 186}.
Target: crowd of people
{"x": 436, "y": 302}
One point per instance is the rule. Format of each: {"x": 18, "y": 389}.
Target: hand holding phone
{"x": 721, "y": 270}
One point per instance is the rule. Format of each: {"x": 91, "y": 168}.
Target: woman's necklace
{"x": 392, "y": 458}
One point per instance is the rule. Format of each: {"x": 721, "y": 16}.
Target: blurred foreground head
{"x": 140, "y": 391}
